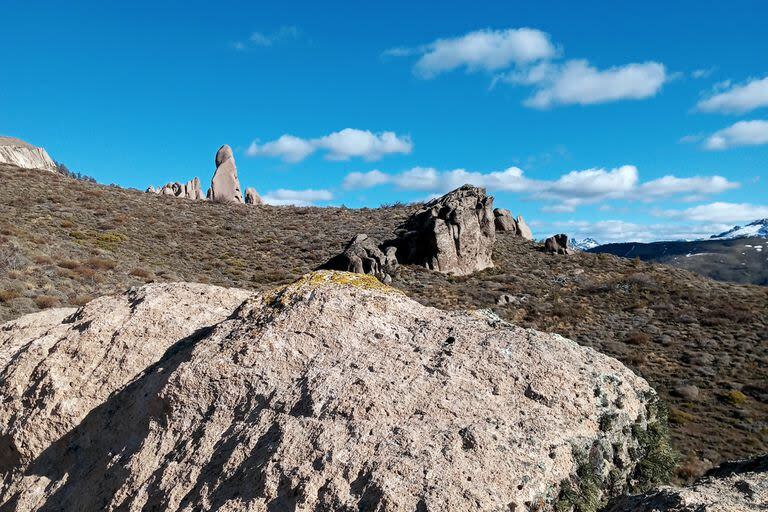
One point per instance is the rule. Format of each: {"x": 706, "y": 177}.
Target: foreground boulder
{"x": 504, "y": 221}
{"x": 21, "y": 154}
{"x": 453, "y": 234}
{"x": 740, "y": 486}
{"x": 333, "y": 393}
{"x": 71, "y": 360}
{"x": 557, "y": 244}
{"x": 225, "y": 187}
{"x": 364, "y": 255}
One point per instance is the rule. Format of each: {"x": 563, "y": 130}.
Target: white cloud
{"x": 702, "y": 73}
{"x": 696, "y": 186}
{"x": 481, "y": 50}
{"x": 577, "y": 82}
{"x": 287, "y": 147}
{"x": 743, "y": 133}
{"x": 342, "y": 145}
{"x": 263, "y": 39}
{"x": 718, "y": 212}
{"x": 297, "y": 197}
{"x": 738, "y": 98}
{"x": 350, "y": 143}
{"x": 563, "y": 194}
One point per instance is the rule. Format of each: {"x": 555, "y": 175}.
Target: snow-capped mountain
{"x": 758, "y": 228}
{"x": 584, "y": 244}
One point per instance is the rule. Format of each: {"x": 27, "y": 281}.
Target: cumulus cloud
{"x": 563, "y": 194}
{"x": 305, "y": 197}
{"x": 696, "y": 187}
{"x": 287, "y": 147}
{"x": 481, "y": 50}
{"x": 737, "y": 99}
{"x": 577, "y": 82}
{"x": 342, "y": 145}
{"x": 718, "y": 212}
{"x": 743, "y": 133}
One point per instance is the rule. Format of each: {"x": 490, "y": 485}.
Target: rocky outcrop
{"x": 189, "y": 190}
{"x": 21, "y": 154}
{"x": 225, "y": 187}
{"x": 364, "y": 255}
{"x": 557, "y": 244}
{"x": 333, "y": 393}
{"x": 504, "y": 221}
{"x": 252, "y": 197}
{"x": 453, "y": 234}
{"x": 522, "y": 229}
{"x": 740, "y": 486}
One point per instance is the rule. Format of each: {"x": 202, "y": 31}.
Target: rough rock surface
{"x": 364, "y": 255}
{"x": 60, "y": 364}
{"x": 21, "y": 154}
{"x": 740, "y": 486}
{"x": 504, "y": 221}
{"x": 252, "y": 197}
{"x": 557, "y": 244}
{"x": 453, "y": 234}
{"x": 188, "y": 190}
{"x": 225, "y": 187}
{"x": 522, "y": 229}
{"x": 333, "y": 393}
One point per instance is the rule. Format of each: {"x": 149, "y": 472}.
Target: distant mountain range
{"x": 739, "y": 254}
{"x": 758, "y": 228}
{"x": 584, "y": 244}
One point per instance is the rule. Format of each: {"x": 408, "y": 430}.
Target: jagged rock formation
{"x": 740, "y": 486}
{"x": 522, "y": 229}
{"x": 364, "y": 255}
{"x": 453, "y": 234}
{"x": 21, "y": 154}
{"x": 190, "y": 190}
{"x": 557, "y": 244}
{"x": 333, "y": 393}
{"x": 225, "y": 187}
{"x": 504, "y": 221}
{"x": 252, "y": 197}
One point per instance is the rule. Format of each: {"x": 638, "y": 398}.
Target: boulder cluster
{"x": 225, "y": 186}
{"x": 505, "y": 222}
{"x": 453, "y": 234}
{"x": 334, "y": 393}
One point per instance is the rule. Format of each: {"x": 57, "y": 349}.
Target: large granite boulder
{"x": 189, "y": 190}
{"x": 557, "y": 244}
{"x": 22, "y": 154}
{"x": 252, "y": 197}
{"x": 333, "y": 393}
{"x": 453, "y": 234}
{"x": 364, "y": 255}
{"x": 740, "y": 486}
{"x": 522, "y": 229}
{"x": 504, "y": 221}
{"x": 225, "y": 187}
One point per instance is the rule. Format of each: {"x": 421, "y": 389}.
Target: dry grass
{"x": 668, "y": 324}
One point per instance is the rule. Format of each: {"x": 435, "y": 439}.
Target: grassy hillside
{"x": 740, "y": 260}
{"x": 63, "y": 242}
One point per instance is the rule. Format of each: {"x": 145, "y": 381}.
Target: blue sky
{"x": 621, "y": 121}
